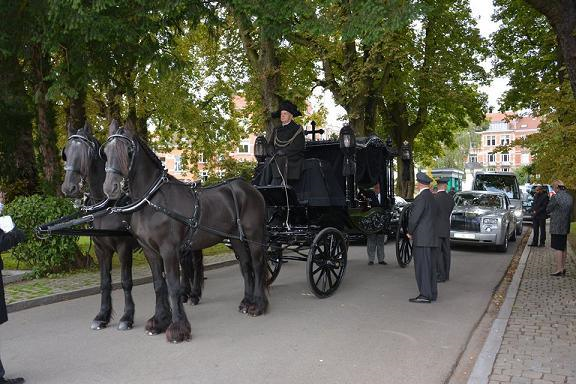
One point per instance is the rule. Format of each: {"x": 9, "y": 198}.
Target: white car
{"x": 483, "y": 218}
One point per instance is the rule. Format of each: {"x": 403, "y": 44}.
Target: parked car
{"x": 507, "y": 183}
{"x": 483, "y": 218}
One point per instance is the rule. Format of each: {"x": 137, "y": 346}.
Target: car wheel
{"x": 513, "y": 236}
{"x": 519, "y": 229}
{"x": 504, "y": 247}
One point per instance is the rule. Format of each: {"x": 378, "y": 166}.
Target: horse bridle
{"x": 132, "y": 148}
{"x": 92, "y": 148}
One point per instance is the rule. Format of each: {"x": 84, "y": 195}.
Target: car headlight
{"x": 518, "y": 213}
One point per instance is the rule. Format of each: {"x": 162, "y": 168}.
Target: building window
{"x": 498, "y": 126}
{"x": 505, "y": 169}
{"x": 505, "y": 157}
{"x": 490, "y": 141}
{"x": 491, "y": 169}
{"x": 505, "y": 140}
{"x": 201, "y": 158}
{"x": 491, "y": 158}
{"x": 221, "y": 173}
{"x": 177, "y": 164}
{"x": 472, "y": 158}
{"x": 244, "y": 147}
{"x": 204, "y": 175}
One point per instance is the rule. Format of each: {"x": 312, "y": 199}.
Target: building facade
{"x": 503, "y": 130}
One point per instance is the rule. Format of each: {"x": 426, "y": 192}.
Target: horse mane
{"x": 149, "y": 152}
{"x": 86, "y": 156}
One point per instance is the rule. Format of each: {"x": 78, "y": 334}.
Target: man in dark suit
{"x": 7, "y": 240}
{"x": 422, "y": 231}
{"x": 445, "y": 204}
{"x": 375, "y": 241}
{"x": 539, "y": 217}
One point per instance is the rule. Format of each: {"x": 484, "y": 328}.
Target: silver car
{"x": 483, "y": 218}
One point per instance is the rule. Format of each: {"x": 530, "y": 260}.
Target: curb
{"x": 64, "y": 296}
{"x": 485, "y": 361}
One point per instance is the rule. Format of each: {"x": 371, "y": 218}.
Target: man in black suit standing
{"x": 422, "y": 231}
{"x": 8, "y": 239}
{"x": 539, "y": 214}
{"x": 375, "y": 241}
{"x": 445, "y": 203}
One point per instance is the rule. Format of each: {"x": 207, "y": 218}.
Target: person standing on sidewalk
{"x": 445, "y": 204}
{"x": 539, "y": 217}
{"x": 560, "y": 210}
{"x": 8, "y": 240}
{"x": 375, "y": 242}
{"x": 423, "y": 232}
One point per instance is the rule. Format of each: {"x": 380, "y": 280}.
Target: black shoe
{"x": 542, "y": 245}
{"x": 420, "y": 299}
{"x": 382, "y": 262}
{"x": 440, "y": 280}
{"x": 16, "y": 380}
{"x": 532, "y": 245}
{"x": 370, "y": 263}
{"x": 559, "y": 273}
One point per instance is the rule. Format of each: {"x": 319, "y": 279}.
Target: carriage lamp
{"x": 347, "y": 140}
{"x": 260, "y": 148}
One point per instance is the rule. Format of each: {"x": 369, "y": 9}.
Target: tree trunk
{"x": 46, "y": 122}
{"x": 16, "y": 144}
{"x": 561, "y": 15}
{"x": 77, "y": 110}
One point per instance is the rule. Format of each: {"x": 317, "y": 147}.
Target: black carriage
{"x": 315, "y": 219}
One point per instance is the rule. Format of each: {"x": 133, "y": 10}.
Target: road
{"x": 367, "y": 332}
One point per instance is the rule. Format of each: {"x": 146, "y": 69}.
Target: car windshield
{"x": 477, "y": 200}
{"x": 498, "y": 183}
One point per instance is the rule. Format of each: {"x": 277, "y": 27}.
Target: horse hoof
{"x": 98, "y": 325}
{"x": 125, "y": 325}
{"x": 152, "y": 333}
{"x": 194, "y": 300}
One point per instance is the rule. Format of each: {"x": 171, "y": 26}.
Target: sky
{"x": 482, "y": 11}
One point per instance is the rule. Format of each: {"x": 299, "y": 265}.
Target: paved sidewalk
{"x": 31, "y": 293}
{"x": 536, "y": 335}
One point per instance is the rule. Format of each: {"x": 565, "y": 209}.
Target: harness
{"x": 193, "y": 223}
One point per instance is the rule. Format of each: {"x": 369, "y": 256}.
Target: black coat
{"x": 422, "y": 221}
{"x": 290, "y": 156}
{"x": 7, "y": 241}
{"x": 539, "y": 205}
{"x": 445, "y": 206}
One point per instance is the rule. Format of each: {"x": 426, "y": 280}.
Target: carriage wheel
{"x": 273, "y": 264}
{"x": 326, "y": 262}
{"x": 403, "y": 243}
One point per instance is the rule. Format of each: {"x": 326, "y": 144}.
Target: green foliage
{"x": 232, "y": 168}
{"x": 52, "y": 254}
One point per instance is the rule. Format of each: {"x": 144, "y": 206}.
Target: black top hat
{"x": 442, "y": 180}
{"x": 423, "y": 178}
{"x": 288, "y": 107}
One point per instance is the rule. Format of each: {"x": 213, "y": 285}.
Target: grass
{"x": 572, "y": 235}
{"x": 87, "y": 248}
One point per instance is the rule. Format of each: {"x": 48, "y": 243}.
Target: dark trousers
{"x": 425, "y": 269}
{"x": 444, "y": 259}
{"x": 2, "y": 371}
{"x": 539, "y": 229}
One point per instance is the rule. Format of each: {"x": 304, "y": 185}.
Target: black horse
{"x": 83, "y": 164}
{"x": 174, "y": 216}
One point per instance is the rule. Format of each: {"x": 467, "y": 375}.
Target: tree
{"x": 528, "y": 52}
{"x": 561, "y": 15}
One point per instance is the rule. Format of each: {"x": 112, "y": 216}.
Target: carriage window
{"x": 178, "y": 164}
